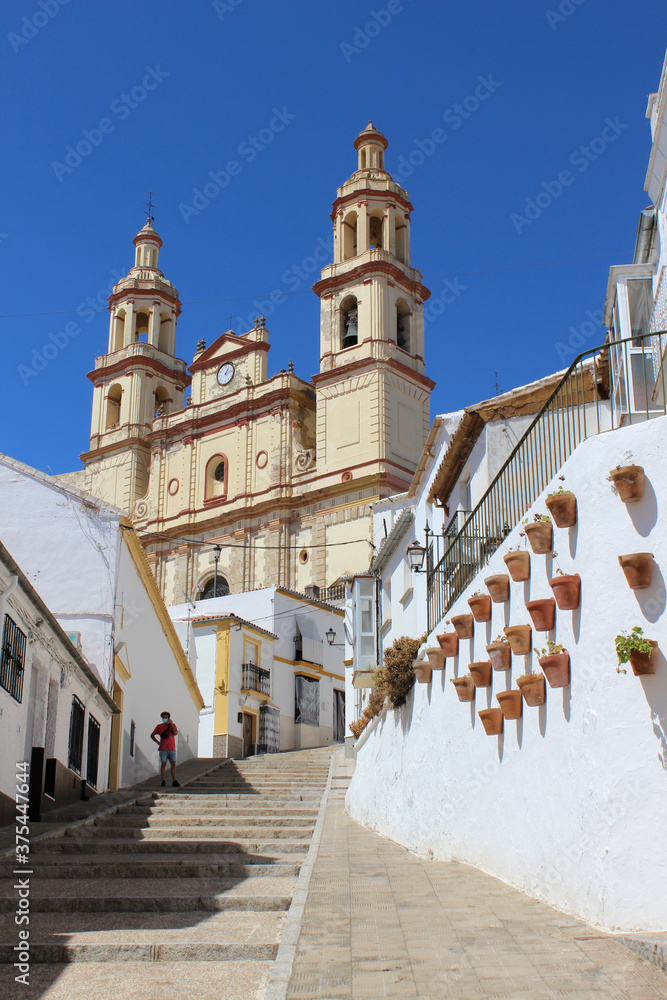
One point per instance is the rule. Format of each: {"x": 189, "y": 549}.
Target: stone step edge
{"x": 140, "y": 904}
{"x": 651, "y": 950}
{"x": 52, "y": 954}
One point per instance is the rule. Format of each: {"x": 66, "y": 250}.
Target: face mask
{"x": 165, "y": 718}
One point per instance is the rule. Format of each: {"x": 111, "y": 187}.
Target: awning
{"x": 308, "y": 628}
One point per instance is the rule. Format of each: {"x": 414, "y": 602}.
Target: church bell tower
{"x": 372, "y": 393}
{"x": 139, "y": 379}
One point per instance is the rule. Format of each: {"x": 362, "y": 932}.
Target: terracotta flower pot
{"x": 629, "y": 482}
{"x": 465, "y": 688}
{"x": 480, "y": 671}
{"x": 422, "y": 671}
{"x": 638, "y": 569}
{"x": 518, "y": 563}
{"x": 532, "y": 689}
{"x": 436, "y": 658}
{"x": 563, "y": 509}
{"x": 556, "y": 669}
{"x": 464, "y": 625}
{"x": 540, "y": 534}
{"x": 498, "y": 587}
{"x": 449, "y": 643}
{"x": 644, "y": 663}
{"x": 511, "y": 704}
{"x": 519, "y": 638}
{"x": 492, "y": 720}
{"x": 500, "y": 655}
{"x": 480, "y": 605}
{"x": 542, "y": 613}
{"x": 567, "y": 590}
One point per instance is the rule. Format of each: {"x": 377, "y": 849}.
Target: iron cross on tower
{"x": 149, "y": 205}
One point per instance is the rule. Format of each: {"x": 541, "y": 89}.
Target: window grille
{"x": 93, "y": 751}
{"x": 306, "y": 701}
{"x": 133, "y": 730}
{"x": 75, "y": 749}
{"x": 255, "y": 679}
{"x": 12, "y": 659}
{"x": 269, "y": 730}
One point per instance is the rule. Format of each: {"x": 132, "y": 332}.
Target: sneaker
{"x": 175, "y": 784}
{"x": 164, "y": 784}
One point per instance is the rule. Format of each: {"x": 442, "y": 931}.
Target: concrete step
{"x": 174, "y": 868}
{"x": 111, "y": 846}
{"x": 227, "y": 832}
{"x": 223, "y": 806}
{"x": 154, "y": 951}
{"x": 192, "y": 819}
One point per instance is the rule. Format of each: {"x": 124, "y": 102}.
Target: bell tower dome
{"x": 373, "y": 395}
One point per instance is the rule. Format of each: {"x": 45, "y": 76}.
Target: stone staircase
{"x": 201, "y": 874}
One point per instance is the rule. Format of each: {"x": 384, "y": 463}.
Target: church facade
{"x": 279, "y": 472}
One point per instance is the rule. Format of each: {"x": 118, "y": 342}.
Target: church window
{"x": 216, "y": 478}
{"x": 403, "y": 325}
{"x": 119, "y": 331}
{"x": 114, "y": 397}
{"x": 375, "y": 228}
{"x": 381, "y": 159}
{"x": 363, "y": 159}
{"x": 162, "y": 401}
{"x": 350, "y": 235}
{"x": 141, "y": 326}
{"x": 349, "y": 322}
{"x": 214, "y": 588}
{"x": 164, "y": 334}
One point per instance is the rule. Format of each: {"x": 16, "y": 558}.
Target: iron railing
{"x": 75, "y": 747}
{"x": 604, "y": 388}
{"x": 12, "y": 659}
{"x": 256, "y": 679}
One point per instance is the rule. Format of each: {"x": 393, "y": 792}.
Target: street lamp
{"x": 415, "y": 554}
{"x": 331, "y": 635}
{"x": 217, "y": 549}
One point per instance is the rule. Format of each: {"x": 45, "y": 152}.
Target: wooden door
{"x": 247, "y": 734}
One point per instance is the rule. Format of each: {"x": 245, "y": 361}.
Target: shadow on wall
{"x": 655, "y": 689}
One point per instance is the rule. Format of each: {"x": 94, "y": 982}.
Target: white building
{"x": 86, "y": 563}
{"x": 54, "y": 712}
{"x": 270, "y": 677}
{"x": 567, "y": 798}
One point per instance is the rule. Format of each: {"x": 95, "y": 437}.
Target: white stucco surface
{"x": 570, "y": 803}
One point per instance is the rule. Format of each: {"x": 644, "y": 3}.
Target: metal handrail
{"x": 599, "y": 392}
{"x": 254, "y": 678}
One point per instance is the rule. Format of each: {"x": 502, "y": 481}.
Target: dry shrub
{"x": 357, "y": 728}
{"x": 395, "y": 677}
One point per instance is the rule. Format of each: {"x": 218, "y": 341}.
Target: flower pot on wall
{"x": 500, "y": 655}
{"x": 519, "y": 637}
{"x": 464, "y": 625}
{"x": 435, "y": 658}
{"x": 498, "y": 587}
{"x": 540, "y": 534}
{"x": 556, "y": 669}
{"x": 518, "y": 564}
{"x": 542, "y": 613}
{"x": 480, "y": 605}
{"x": 449, "y": 643}
{"x": 532, "y": 689}
{"x": 629, "y": 482}
{"x": 492, "y": 720}
{"x": 480, "y": 671}
{"x": 465, "y": 688}
{"x": 638, "y": 569}
{"x": 644, "y": 663}
{"x": 422, "y": 671}
{"x": 563, "y": 509}
{"x": 511, "y": 704}
{"x": 567, "y": 590}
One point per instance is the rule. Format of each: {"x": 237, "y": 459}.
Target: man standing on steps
{"x": 164, "y": 735}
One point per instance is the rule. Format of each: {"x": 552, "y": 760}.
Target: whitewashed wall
{"x": 570, "y": 803}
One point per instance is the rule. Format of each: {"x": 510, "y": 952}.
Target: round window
{"x": 220, "y": 473}
{"x": 303, "y": 556}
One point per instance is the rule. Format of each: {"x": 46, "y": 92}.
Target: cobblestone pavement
{"x": 381, "y": 922}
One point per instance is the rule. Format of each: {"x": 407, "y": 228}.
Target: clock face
{"x": 225, "y": 373}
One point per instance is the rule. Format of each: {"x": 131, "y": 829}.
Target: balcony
{"x": 255, "y": 679}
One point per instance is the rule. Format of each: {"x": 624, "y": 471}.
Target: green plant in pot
{"x": 555, "y": 662}
{"x": 641, "y": 653}
{"x": 562, "y": 505}
{"x": 540, "y": 533}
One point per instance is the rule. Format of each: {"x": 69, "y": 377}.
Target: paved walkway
{"x": 380, "y": 922}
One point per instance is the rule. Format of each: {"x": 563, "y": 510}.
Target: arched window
{"x": 119, "y": 331}
{"x": 403, "y": 325}
{"x": 375, "y": 228}
{"x": 141, "y": 326}
{"x": 214, "y": 588}
{"x": 162, "y": 401}
{"x": 349, "y": 322}
{"x": 350, "y": 235}
{"x": 216, "y": 478}
{"x": 114, "y": 397}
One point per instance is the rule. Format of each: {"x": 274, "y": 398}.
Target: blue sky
{"x": 160, "y": 95}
